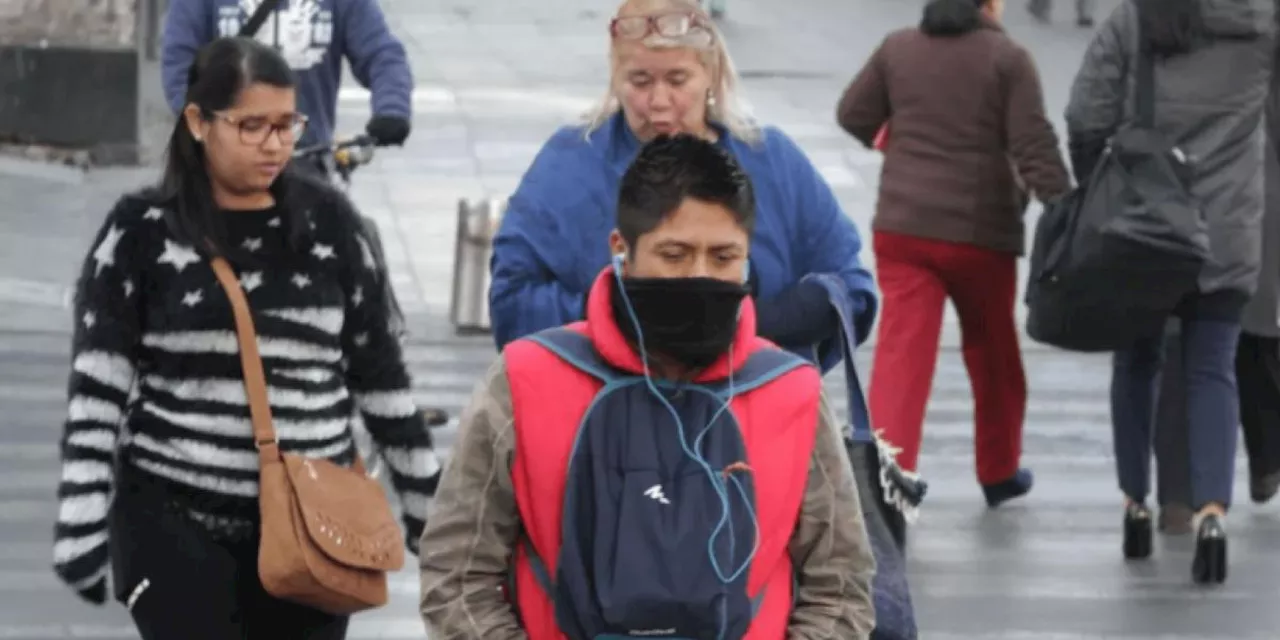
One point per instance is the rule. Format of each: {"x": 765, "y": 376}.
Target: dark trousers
{"x": 1211, "y": 408}
{"x": 916, "y": 277}
{"x": 1172, "y": 444}
{"x": 1258, "y": 373}
{"x": 178, "y": 581}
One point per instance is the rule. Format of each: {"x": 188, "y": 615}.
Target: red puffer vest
{"x": 550, "y": 398}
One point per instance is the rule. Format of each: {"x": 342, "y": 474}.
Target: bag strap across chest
{"x": 255, "y": 378}
{"x": 251, "y": 26}
{"x": 574, "y": 348}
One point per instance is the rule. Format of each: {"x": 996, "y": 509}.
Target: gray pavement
{"x": 494, "y": 80}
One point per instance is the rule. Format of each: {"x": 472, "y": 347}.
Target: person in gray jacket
{"x": 1213, "y": 62}
{"x": 1258, "y": 356}
{"x": 1257, "y": 370}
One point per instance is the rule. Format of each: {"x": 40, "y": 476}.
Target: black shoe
{"x": 1016, "y": 487}
{"x": 1085, "y": 22}
{"x": 1137, "y": 532}
{"x": 1263, "y": 488}
{"x": 1210, "y": 563}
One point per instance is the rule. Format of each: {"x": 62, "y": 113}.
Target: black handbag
{"x": 889, "y": 498}
{"x": 1111, "y": 259}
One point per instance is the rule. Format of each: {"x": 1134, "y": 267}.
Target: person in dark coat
{"x": 968, "y": 144}
{"x": 1257, "y": 372}
{"x": 1216, "y": 120}
{"x": 1258, "y": 356}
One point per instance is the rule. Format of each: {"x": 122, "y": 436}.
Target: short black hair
{"x": 948, "y": 18}
{"x": 672, "y": 168}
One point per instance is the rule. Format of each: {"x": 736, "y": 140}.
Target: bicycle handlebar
{"x": 342, "y": 156}
{"x": 363, "y": 140}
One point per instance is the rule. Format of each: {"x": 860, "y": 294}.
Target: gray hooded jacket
{"x": 1262, "y": 315}
{"x": 1211, "y": 101}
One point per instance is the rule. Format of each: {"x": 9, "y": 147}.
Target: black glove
{"x": 412, "y": 533}
{"x": 388, "y": 130}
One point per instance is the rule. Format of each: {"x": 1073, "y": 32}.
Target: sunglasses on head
{"x": 675, "y": 25}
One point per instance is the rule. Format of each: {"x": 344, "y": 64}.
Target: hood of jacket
{"x": 1238, "y": 18}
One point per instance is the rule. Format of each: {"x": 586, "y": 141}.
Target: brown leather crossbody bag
{"x": 329, "y": 536}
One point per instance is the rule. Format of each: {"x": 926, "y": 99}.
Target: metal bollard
{"x": 477, "y": 224}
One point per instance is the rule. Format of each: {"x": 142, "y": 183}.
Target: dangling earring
{"x": 711, "y": 100}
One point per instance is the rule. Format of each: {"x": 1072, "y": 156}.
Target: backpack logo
{"x": 655, "y": 492}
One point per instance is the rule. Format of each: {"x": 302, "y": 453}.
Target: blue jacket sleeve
{"x": 377, "y": 58}
{"x": 532, "y": 259}
{"x": 829, "y": 244}
{"x": 186, "y": 29}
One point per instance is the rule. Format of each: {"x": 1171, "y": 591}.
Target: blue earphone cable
{"x": 725, "y": 523}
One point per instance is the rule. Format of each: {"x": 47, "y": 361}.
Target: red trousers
{"x": 916, "y": 277}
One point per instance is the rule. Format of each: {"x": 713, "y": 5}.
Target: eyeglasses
{"x": 254, "y": 130}
{"x": 679, "y": 25}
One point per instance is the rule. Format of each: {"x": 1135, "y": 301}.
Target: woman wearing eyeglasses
{"x": 155, "y": 352}
{"x": 672, "y": 74}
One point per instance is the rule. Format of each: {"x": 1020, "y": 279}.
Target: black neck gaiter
{"x": 690, "y": 320}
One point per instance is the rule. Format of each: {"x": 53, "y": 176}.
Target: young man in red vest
{"x": 656, "y": 470}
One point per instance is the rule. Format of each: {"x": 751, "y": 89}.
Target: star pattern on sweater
{"x": 357, "y": 296}
{"x": 252, "y": 244}
{"x": 105, "y": 254}
{"x": 274, "y": 222}
{"x": 323, "y": 252}
{"x": 309, "y": 332}
{"x": 250, "y": 280}
{"x": 178, "y": 255}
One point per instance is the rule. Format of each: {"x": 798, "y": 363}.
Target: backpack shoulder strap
{"x": 761, "y": 368}
{"x": 250, "y": 27}
{"x": 576, "y": 349}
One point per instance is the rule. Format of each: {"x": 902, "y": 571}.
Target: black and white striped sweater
{"x": 156, "y": 371}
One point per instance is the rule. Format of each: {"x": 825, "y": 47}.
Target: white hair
{"x": 725, "y": 106}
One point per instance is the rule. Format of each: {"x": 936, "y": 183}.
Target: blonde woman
{"x": 671, "y": 74}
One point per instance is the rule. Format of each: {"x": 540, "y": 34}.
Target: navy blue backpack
{"x": 636, "y": 498}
